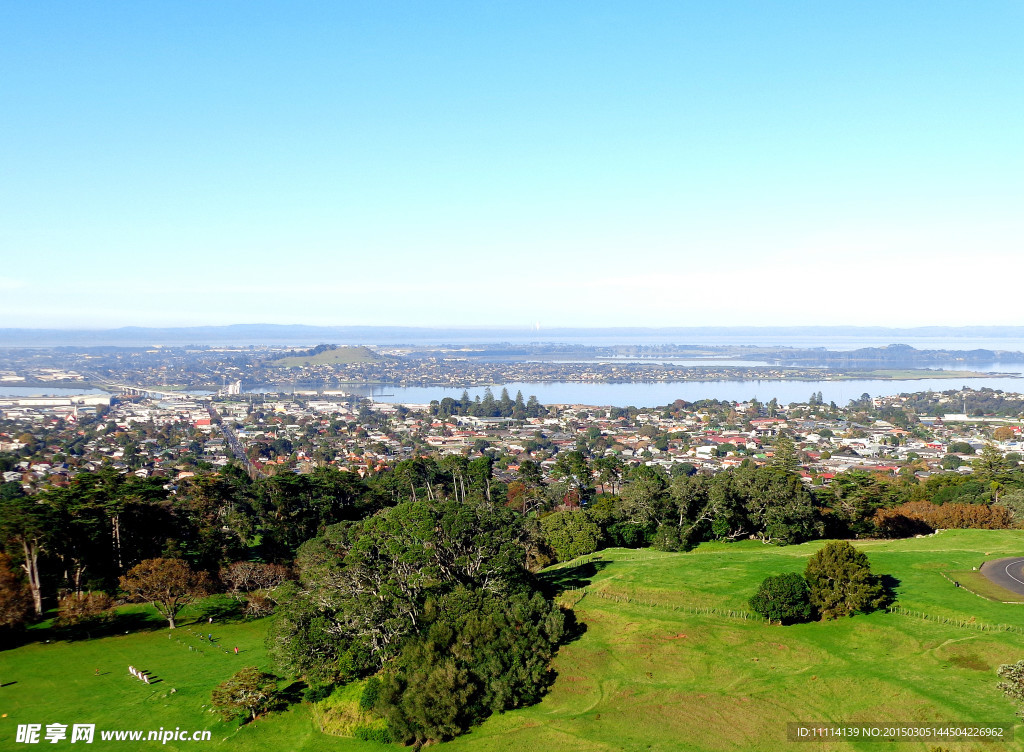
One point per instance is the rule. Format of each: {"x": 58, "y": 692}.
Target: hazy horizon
{"x": 837, "y": 337}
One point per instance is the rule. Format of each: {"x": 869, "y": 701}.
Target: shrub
{"x": 1013, "y": 682}
{"x": 317, "y": 692}
{"x": 15, "y": 597}
{"x": 840, "y": 581}
{"x": 784, "y": 598}
{"x": 84, "y": 609}
{"x": 916, "y": 517}
{"x": 368, "y": 699}
{"x": 381, "y": 734}
{"x": 258, "y": 604}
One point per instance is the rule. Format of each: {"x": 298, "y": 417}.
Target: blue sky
{"x": 499, "y": 163}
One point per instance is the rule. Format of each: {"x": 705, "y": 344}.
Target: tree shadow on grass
{"x": 574, "y": 628}
{"x": 131, "y": 622}
{"x": 115, "y": 624}
{"x": 889, "y": 585}
{"x": 220, "y": 608}
{"x": 292, "y": 694}
{"x": 557, "y": 581}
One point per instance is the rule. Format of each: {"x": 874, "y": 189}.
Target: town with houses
{"x": 44, "y": 441}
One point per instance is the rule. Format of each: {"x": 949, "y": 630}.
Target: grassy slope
{"x": 340, "y": 355}
{"x": 56, "y": 683}
{"x": 641, "y": 677}
{"x": 647, "y": 677}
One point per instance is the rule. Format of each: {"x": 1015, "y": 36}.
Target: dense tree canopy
{"x": 435, "y": 590}
{"x": 475, "y": 654}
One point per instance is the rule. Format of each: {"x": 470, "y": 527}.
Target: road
{"x": 1007, "y": 573}
{"x": 233, "y": 442}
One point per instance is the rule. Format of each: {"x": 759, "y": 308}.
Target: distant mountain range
{"x": 284, "y": 334}
{"x": 893, "y": 355}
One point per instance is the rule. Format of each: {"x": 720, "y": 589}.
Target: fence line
{"x": 961, "y": 623}
{"x": 730, "y": 613}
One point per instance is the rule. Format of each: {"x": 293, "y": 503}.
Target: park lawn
{"x": 644, "y": 675}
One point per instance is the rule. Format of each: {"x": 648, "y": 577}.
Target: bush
{"x": 630, "y": 534}
{"x": 784, "y": 598}
{"x": 84, "y": 610}
{"x": 368, "y": 699}
{"x": 840, "y": 582}
{"x": 258, "y": 604}
{"x": 667, "y": 538}
{"x": 1013, "y": 682}
{"x": 922, "y": 517}
{"x": 317, "y": 692}
{"x": 15, "y": 598}
{"x": 381, "y": 734}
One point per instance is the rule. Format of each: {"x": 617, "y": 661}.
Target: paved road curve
{"x": 1007, "y": 573}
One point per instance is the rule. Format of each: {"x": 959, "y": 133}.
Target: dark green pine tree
{"x": 841, "y": 583}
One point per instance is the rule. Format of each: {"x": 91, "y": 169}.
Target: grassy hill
{"x": 647, "y": 673}
{"x": 342, "y": 355}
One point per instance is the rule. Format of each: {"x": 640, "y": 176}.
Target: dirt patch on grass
{"x": 970, "y": 661}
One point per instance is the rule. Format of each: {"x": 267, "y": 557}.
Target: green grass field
{"x": 645, "y": 674}
{"x": 339, "y": 356}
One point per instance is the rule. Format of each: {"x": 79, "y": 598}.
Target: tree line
{"x": 489, "y": 407}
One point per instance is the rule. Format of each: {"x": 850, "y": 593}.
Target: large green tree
{"x": 476, "y": 654}
{"x": 781, "y": 510}
{"x": 570, "y": 533}
{"x": 783, "y": 598}
{"x": 168, "y": 584}
{"x": 841, "y": 583}
{"x": 246, "y": 694}
{"x": 363, "y": 585}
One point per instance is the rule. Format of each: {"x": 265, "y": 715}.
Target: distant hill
{"x": 301, "y": 335}
{"x": 330, "y": 356}
{"x": 893, "y": 355}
